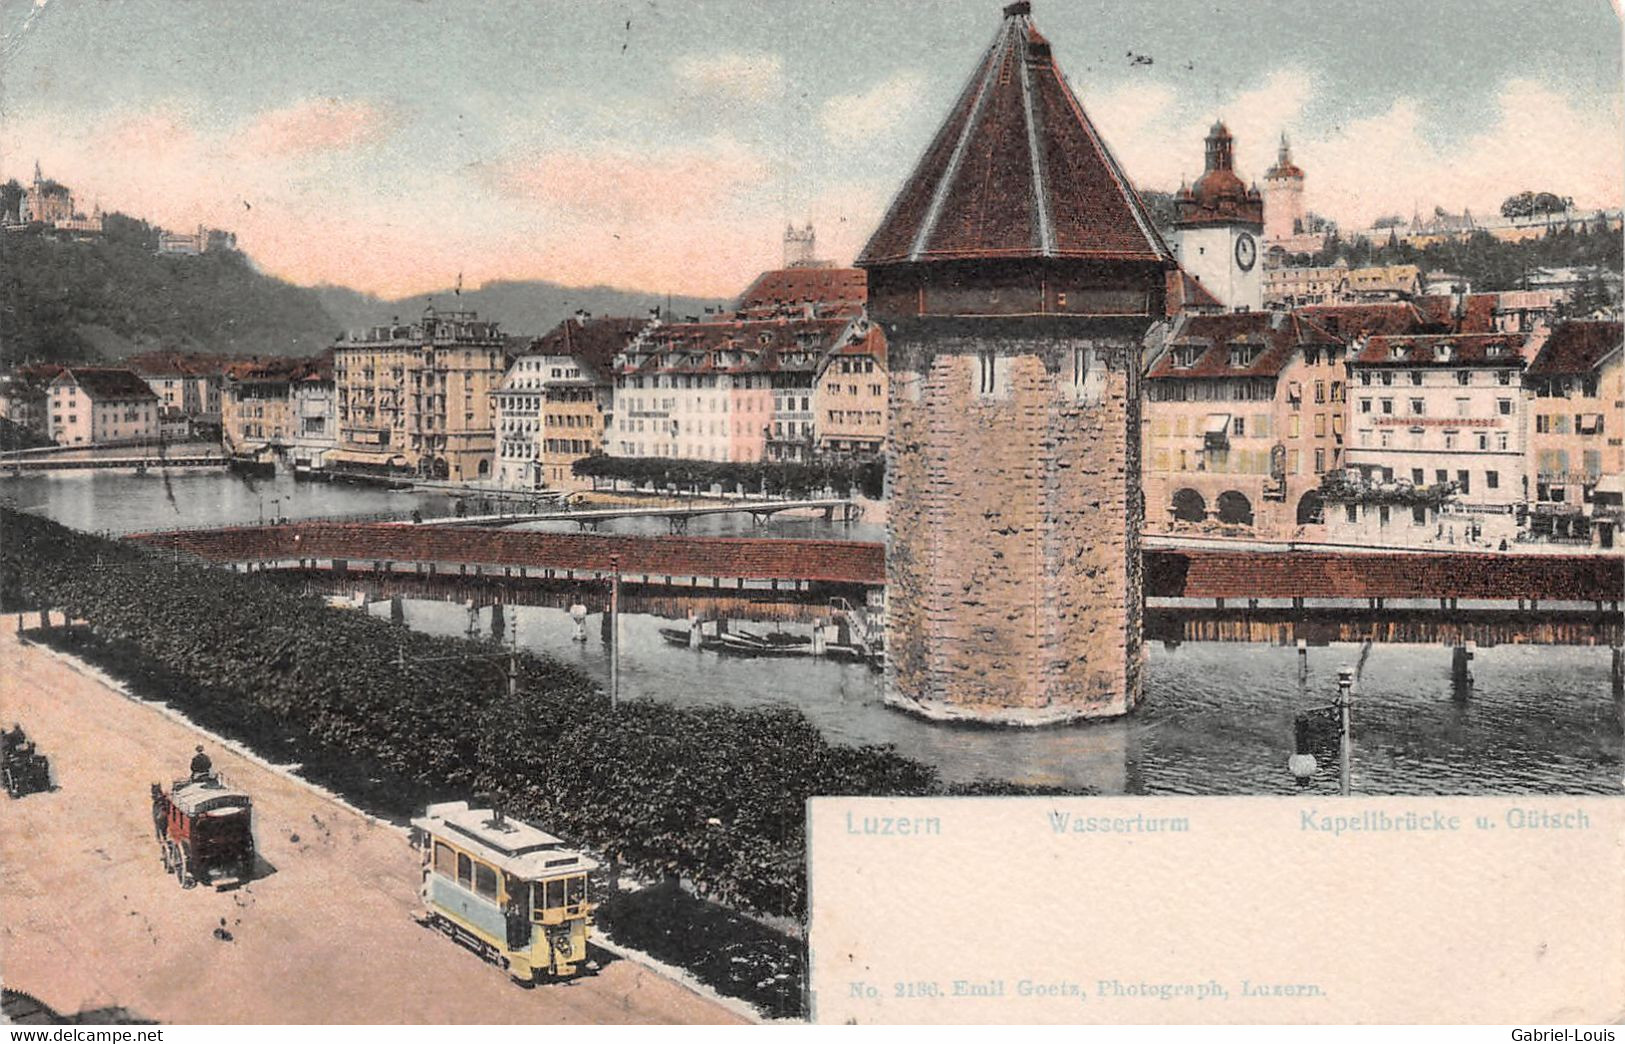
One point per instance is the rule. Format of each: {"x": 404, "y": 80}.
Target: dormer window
{"x": 1445, "y": 352}
{"x": 1494, "y": 351}
{"x": 1185, "y": 355}
{"x": 1244, "y": 354}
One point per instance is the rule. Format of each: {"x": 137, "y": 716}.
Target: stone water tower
{"x": 1016, "y": 273}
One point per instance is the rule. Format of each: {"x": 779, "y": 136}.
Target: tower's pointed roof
{"x": 1016, "y": 171}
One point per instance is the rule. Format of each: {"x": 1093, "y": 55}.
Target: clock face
{"x": 1246, "y": 251}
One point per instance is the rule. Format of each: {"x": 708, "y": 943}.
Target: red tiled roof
{"x": 1464, "y": 350}
{"x": 1168, "y": 573}
{"x": 827, "y": 561}
{"x": 835, "y": 291}
{"x": 1184, "y": 292}
{"x": 593, "y": 343}
{"x": 1017, "y": 170}
{"x": 1312, "y": 574}
{"x": 178, "y": 364}
{"x": 761, "y": 345}
{"x": 870, "y": 342}
{"x": 100, "y": 382}
{"x": 1575, "y": 348}
{"x": 1276, "y": 333}
{"x": 1353, "y": 321}
{"x": 1478, "y": 312}
{"x": 283, "y": 368}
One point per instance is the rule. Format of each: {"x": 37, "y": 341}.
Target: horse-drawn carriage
{"x": 22, "y": 768}
{"x": 204, "y": 830}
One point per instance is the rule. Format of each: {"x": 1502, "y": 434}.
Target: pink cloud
{"x": 612, "y": 184}
{"x": 311, "y": 126}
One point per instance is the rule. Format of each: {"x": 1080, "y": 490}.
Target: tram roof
{"x": 512, "y": 845}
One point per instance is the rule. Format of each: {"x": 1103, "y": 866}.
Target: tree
{"x": 11, "y": 198}
{"x": 1389, "y": 221}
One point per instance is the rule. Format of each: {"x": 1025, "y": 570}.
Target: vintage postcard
{"x": 692, "y": 511}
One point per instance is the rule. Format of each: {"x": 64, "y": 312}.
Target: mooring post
{"x": 1303, "y": 661}
{"x": 1461, "y": 679}
{"x": 1619, "y": 670}
{"x": 397, "y": 609}
{"x": 820, "y": 637}
{"x": 694, "y": 636}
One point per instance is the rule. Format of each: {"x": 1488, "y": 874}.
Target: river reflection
{"x": 1217, "y": 718}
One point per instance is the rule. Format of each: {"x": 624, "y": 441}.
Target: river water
{"x": 1217, "y": 718}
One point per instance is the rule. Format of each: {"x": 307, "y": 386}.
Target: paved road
{"x": 88, "y": 919}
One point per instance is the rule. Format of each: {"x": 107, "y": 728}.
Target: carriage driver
{"x": 202, "y": 767}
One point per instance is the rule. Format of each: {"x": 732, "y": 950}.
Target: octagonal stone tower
{"x": 1016, "y": 274}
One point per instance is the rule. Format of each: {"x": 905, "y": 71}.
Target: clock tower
{"x": 1218, "y": 229}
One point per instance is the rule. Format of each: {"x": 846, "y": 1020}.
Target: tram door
{"x": 517, "y": 912}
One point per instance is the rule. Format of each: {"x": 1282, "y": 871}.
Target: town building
{"x": 735, "y": 390}
{"x": 417, "y": 397}
{"x": 1293, "y": 287}
{"x": 93, "y": 405}
{"x": 281, "y": 408}
{"x": 1576, "y": 462}
{"x": 1243, "y": 416}
{"x": 1441, "y": 415}
{"x": 189, "y": 385}
{"x": 849, "y": 396}
{"x": 1217, "y": 226}
{"x": 556, "y": 404}
{"x": 1016, "y": 274}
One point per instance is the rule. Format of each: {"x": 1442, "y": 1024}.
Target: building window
{"x": 1320, "y": 391}
{"x": 1501, "y": 441}
{"x": 1483, "y": 440}
{"x": 1080, "y": 367}
{"x": 1387, "y": 378}
{"x": 1464, "y": 479}
{"x": 1417, "y": 407}
{"x": 1416, "y": 377}
{"x": 1419, "y": 515}
{"x": 1387, "y": 406}
{"x": 1365, "y": 378}
{"x": 1503, "y": 377}
{"x": 1320, "y": 462}
{"x": 1365, "y": 405}
{"x": 1382, "y": 515}
{"x": 1492, "y": 480}
{"x": 1416, "y": 476}
{"x": 1464, "y": 377}
{"x": 1463, "y": 407}
{"x": 1353, "y": 512}
{"x": 1504, "y": 407}
{"x": 1240, "y": 426}
{"x": 1450, "y": 439}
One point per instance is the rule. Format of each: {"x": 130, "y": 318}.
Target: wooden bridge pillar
{"x": 1619, "y": 670}
{"x": 397, "y": 609}
{"x": 1461, "y": 679}
{"x": 1303, "y": 662}
{"x": 694, "y": 635}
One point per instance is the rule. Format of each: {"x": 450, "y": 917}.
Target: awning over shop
{"x": 1217, "y": 430}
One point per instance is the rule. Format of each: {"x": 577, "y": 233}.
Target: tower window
{"x": 1080, "y": 366}
{"x": 986, "y": 383}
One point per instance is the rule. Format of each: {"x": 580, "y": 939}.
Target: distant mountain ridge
{"x": 114, "y": 295}
{"x": 527, "y": 308}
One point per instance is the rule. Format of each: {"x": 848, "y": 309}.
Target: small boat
{"x": 675, "y": 635}
{"x": 742, "y": 645}
{"x": 846, "y": 653}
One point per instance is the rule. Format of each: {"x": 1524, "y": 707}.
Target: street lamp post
{"x": 614, "y": 632}
{"x": 1345, "y": 741}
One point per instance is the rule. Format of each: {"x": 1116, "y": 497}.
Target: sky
{"x": 662, "y": 145}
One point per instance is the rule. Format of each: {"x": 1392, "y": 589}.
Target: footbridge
{"x": 676, "y": 515}
{"x": 1280, "y": 597}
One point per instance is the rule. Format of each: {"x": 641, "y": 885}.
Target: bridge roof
{"x": 1168, "y": 573}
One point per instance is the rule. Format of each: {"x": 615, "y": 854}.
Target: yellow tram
{"x": 507, "y": 890}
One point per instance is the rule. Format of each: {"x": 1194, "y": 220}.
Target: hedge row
{"x": 713, "y": 794}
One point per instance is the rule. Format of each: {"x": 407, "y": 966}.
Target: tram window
{"x": 465, "y": 869}
{"x": 485, "y": 881}
{"x": 555, "y": 893}
{"x": 444, "y": 862}
{"x": 575, "y": 891}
